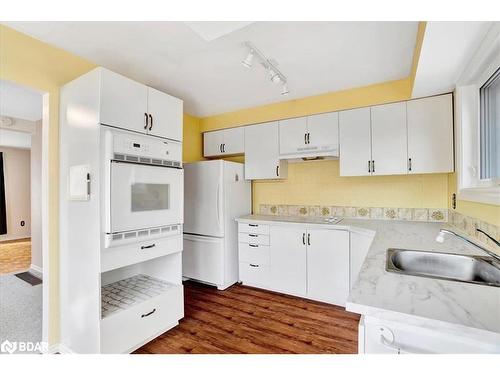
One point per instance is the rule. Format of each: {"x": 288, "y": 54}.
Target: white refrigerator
{"x": 215, "y": 194}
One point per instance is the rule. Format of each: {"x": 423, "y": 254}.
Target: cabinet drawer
{"x": 121, "y": 256}
{"x": 126, "y": 330}
{"x": 253, "y": 253}
{"x": 254, "y": 274}
{"x": 259, "y": 239}
{"x": 253, "y": 228}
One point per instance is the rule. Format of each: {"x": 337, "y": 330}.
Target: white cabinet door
{"x": 124, "y": 102}
{"x": 355, "y": 142}
{"x": 288, "y": 260}
{"x": 328, "y": 265}
{"x": 165, "y": 113}
{"x": 430, "y": 134}
{"x": 212, "y": 143}
{"x": 262, "y": 152}
{"x": 323, "y": 131}
{"x": 389, "y": 139}
{"x": 293, "y": 134}
{"x": 234, "y": 141}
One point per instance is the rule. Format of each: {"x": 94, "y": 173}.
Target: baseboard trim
{"x": 58, "y": 349}
{"x": 38, "y": 271}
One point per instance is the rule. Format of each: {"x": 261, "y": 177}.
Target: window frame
{"x": 470, "y": 186}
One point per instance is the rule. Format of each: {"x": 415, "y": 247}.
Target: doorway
{"x": 23, "y": 291}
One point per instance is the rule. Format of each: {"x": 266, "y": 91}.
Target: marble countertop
{"x": 448, "y": 305}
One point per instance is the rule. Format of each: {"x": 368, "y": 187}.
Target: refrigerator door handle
{"x": 217, "y": 202}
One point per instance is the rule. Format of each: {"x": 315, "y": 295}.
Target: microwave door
{"x": 145, "y": 196}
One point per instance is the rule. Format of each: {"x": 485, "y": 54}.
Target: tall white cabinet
{"x": 94, "y": 272}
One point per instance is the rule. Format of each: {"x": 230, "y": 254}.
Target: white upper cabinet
{"x": 124, "y": 102}
{"x": 389, "y": 148}
{"x": 355, "y": 142}
{"x": 323, "y": 131}
{"x": 224, "y": 142}
{"x": 133, "y": 106}
{"x": 328, "y": 265}
{"x": 165, "y": 115}
{"x": 293, "y": 135}
{"x": 309, "y": 136}
{"x": 262, "y": 152}
{"x": 430, "y": 135}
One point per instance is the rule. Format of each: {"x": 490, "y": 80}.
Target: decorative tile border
{"x": 380, "y": 213}
{"x": 469, "y": 224}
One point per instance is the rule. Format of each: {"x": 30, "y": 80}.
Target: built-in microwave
{"x": 143, "y": 191}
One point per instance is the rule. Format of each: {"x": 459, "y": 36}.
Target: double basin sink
{"x": 445, "y": 266}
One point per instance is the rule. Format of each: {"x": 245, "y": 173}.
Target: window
{"x": 489, "y": 128}
{"x": 150, "y": 197}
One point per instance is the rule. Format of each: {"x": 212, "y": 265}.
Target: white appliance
{"x": 143, "y": 187}
{"x": 216, "y": 194}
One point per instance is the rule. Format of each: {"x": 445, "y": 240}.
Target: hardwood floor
{"x": 247, "y": 320}
{"x": 15, "y": 256}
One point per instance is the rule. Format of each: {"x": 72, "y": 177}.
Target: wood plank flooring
{"x": 15, "y": 256}
{"x": 247, "y": 320}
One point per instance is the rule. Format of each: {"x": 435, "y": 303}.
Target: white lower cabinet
{"x": 288, "y": 259}
{"x": 297, "y": 260}
{"x": 328, "y": 265}
{"x": 127, "y": 330}
{"x": 378, "y": 336}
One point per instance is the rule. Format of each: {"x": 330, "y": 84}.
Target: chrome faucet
{"x": 440, "y": 239}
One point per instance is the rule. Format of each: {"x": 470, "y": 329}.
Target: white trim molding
{"x": 483, "y": 64}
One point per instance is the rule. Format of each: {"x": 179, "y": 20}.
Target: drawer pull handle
{"x": 253, "y": 235}
{"x": 253, "y": 225}
{"x": 148, "y": 246}
{"x": 253, "y": 245}
{"x": 148, "y": 314}
{"x": 254, "y": 265}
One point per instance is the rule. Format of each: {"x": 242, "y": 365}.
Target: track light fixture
{"x": 270, "y": 65}
{"x": 247, "y": 63}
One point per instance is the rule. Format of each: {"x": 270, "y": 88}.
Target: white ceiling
{"x": 447, "y": 49}
{"x": 20, "y": 102}
{"x": 316, "y": 57}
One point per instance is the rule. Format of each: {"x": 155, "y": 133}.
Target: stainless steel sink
{"x": 464, "y": 268}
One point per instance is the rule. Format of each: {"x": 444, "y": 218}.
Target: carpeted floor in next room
{"x": 20, "y": 303}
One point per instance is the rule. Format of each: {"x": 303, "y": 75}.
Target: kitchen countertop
{"x": 451, "y": 306}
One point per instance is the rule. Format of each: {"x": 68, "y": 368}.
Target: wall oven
{"x": 143, "y": 189}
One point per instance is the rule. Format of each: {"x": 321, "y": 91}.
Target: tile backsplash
{"x": 381, "y": 213}
{"x": 464, "y": 223}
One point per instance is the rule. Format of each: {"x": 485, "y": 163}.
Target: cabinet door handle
{"x": 277, "y": 170}
{"x": 309, "y": 239}
{"x": 145, "y": 121}
{"x": 373, "y": 165}
{"x": 254, "y": 265}
{"x": 148, "y": 246}
{"x": 409, "y": 164}
{"x": 220, "y": 148}
{"x": 253, "y": 235}
{"x": 148, "y": 314}
{"x": 308, "y": 138}
{"x": 303, "y": 238}
{"x": 369, "y": 166}
{"x": 224, "y": 148}
{"x": 150, "y": 122}
{"x": 305, "y": 138}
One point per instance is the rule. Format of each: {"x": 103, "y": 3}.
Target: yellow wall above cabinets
{"x": 192, "y": 149}
{"x": 31, "y": 63}
{"x": 319, "y": 183}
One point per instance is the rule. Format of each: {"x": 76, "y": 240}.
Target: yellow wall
{"x": 31, "y": 63}
{"x": 192, "y": 139}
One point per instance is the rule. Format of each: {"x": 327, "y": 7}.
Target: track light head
{"x": 247, "y": 63}
{"x": 275, "y": 77}
{"x": 284, "y": 90}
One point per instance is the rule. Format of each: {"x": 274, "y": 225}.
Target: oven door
{"x": 144, "y": 196}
